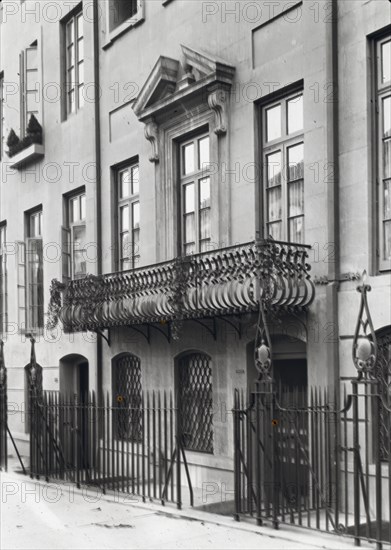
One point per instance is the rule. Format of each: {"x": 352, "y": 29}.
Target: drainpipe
{"x": 332, "y": 145}
{"x": 99, "y": 350}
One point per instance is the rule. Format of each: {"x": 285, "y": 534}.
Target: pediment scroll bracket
{"x": 151, "y": 131}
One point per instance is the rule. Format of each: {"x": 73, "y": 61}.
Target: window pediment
{"x": 198, "y": 78}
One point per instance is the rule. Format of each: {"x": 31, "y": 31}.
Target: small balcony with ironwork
{"x": 221, "y": 283}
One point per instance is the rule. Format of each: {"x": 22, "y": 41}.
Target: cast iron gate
{"x": 326, "y": 463}
{"x": 317, "y": 466}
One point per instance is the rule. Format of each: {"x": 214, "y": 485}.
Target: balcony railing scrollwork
{"x": 222, "y": 282}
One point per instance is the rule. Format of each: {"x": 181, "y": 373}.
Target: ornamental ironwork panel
{"x": 222, "y": 282}
{"x": 383, "y": 374}
{"x": 128, "y": 398}
{"x": 195, "y": 402}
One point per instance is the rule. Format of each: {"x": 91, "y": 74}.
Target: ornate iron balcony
{"x": 218, "y": 283}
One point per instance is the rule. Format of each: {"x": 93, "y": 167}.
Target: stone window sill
{"x": 124, "y": 27}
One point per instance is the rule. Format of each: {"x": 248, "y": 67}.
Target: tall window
{"x": 74, "y": 62}
{"x": 283, "y": 168}
{"x": 128, "y": 397}
{"x": 3, "y": 279}
{"x": 383, "y": 110}
{"x": 128, "y": 188}
{"x": 194, "y": 383}
{"x": 120, "y": 11}
{"x": 195, "y": 195}
{"x": 29, "y": 74}
{"x": 74, "y": 252}
{"x": 34, "y": 271}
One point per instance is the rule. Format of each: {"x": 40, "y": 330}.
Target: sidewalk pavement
{"x": 37, "y": 515}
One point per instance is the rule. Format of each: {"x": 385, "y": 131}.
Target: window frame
{"x": 126, "y": 25}
{"x": 24, "y": 70}
{"x": 129, "y": 202}
{"x": 282, "y": 143}
{"x": 381, "y": 92}
{"x": 31, "y": 236}
{"x": 195, "y": 178}
{"x": 72, "y": 225}
{"x": 69, "y": 87}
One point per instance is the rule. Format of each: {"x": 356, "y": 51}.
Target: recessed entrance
{"x": 74, "y": 377}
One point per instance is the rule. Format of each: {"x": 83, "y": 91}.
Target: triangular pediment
{"x": 160, "y": 83}
{"x": 169, "y": 76}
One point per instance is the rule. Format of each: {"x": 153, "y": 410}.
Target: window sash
{"x": 74, "y": 63}
{"x": 34, "y": 280}
{"x": 383, "y": 176}
{"x": 196, "y": 215}
{"x": 277, "y": 185}
{"x": 128, "y": 217}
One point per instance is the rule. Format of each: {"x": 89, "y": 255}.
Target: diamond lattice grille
{"x": 195, "y": 401}
{"x": 128, "y": 398}
{"x": 384, "y": 376}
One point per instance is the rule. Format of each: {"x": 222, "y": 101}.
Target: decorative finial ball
{"x": 263, "y": 353}
{"x": 364, "y": 349}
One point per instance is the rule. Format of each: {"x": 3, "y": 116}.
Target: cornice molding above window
{"x": 174, "y": 88}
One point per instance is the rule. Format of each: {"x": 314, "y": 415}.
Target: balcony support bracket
{"x": 106, "y": 338}
{"x": 237, "y": 327}
{"x": 212, "y": 330}
{"x": 166, "y": 334}
{"x": 147, "y": 334}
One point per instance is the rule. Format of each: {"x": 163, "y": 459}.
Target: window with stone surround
{"x": 128, "y": 208}
{"x": 283, "y": 168}
{"x": 383, "y": 131}
{"x": 195, "y": 194}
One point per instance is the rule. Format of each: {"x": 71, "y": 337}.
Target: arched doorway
{"x": 290, "y": 377}
{"x": 74, "y": 389}
{"x": 74, "y": 377}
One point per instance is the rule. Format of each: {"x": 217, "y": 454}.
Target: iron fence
{"x": 77, "y": 440}
{"x": 316, "y": 465}
{"x": 3, "y": 427}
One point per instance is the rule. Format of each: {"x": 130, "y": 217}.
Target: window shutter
{"x": 21, "y": 282}
{"x": 65, "y": 254}
{"x": 32, "y": 84}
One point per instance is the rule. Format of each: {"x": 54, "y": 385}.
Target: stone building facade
{"x": 176, "y": 137}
